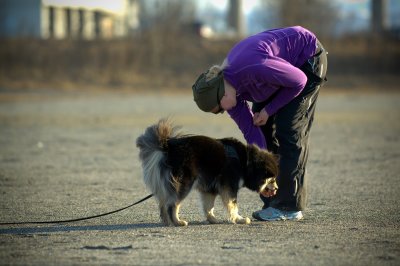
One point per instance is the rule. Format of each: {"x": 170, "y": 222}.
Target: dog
{"x": 174, "y": 163}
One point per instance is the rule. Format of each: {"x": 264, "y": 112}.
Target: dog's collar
{"x": 230, "y": 152}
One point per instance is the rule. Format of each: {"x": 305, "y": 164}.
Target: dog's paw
{"x": 242, "y": 220}
{"x": 212, "y": 219}
{"x": 181, "y": 223}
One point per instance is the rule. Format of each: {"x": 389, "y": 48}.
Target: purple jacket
{"x": 264, "y": 64}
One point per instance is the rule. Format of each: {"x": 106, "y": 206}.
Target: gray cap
{"x": 208, "y": 94}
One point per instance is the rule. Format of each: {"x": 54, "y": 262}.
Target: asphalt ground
{"x": 72, "y": 154}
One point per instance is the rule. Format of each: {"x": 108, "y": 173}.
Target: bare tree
{"x": 163, "y": 24}
{"x": 380, "y": 18}
{"x": 317, "y": 15}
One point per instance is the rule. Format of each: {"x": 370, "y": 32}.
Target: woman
{"x": 280, "y": 71}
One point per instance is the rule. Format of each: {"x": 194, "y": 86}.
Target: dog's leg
{"x": 173, "y": 213}
{"x": 164, "y": 214}
{"x": 231, "y": 205}
{"x": 207, "y": 200}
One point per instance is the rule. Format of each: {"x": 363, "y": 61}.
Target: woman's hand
{"x": 260, "y": 119}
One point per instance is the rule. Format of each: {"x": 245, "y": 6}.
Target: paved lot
{"x": 67, "y": 155}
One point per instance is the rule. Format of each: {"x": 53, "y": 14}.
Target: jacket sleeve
{"x": 278, "y": 72}
{"x": 243, "y": 117}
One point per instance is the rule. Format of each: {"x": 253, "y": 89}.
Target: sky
{"x": 248, "y": 5}
{"x": 354, "y": 14}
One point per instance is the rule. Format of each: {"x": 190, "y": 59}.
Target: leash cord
{"x": 80, "y": 219}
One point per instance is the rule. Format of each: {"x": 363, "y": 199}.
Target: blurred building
{"x": 62, "y": 19}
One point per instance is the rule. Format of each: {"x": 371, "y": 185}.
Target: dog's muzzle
{"x": 268, "y": 192}
{"x": 269, "y": 189}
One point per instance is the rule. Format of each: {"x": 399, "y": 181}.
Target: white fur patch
{"x": 264, "y": 186}
{"x": 155, "y": 178}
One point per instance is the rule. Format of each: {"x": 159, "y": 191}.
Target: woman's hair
{"x": 215, "y": 70}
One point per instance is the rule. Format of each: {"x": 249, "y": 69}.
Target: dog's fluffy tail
{"x": 153, "y": 145}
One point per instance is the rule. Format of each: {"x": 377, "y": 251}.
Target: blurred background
{"x": 164, "y": 44}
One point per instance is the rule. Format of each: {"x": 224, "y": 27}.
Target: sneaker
{"x": 293, "y": 215}
{"x": 269, "y": 214}
{"x": 272, "y": 214}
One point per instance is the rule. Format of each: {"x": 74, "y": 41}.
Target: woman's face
{"x": 228, "y": 101}
{"x": 218, "y": 109}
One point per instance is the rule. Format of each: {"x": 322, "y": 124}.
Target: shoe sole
{"x": 257, "y": 217}
{"x": 294, "y": 218}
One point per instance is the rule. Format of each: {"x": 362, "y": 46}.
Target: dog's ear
{"x": 255, "y": 156}
{"x": 276, "y": 157}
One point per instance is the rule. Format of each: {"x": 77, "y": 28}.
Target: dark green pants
{"x": 287, "y": 134}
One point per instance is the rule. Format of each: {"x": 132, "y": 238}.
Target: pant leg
{"x": 293, "y": 123}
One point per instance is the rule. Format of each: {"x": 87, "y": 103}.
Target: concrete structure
{"x": 68, "y": 18}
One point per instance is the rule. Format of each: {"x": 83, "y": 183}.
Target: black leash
{"x": 81, "y": 219}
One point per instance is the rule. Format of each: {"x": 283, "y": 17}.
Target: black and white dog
{"x": 173, "y": 163}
